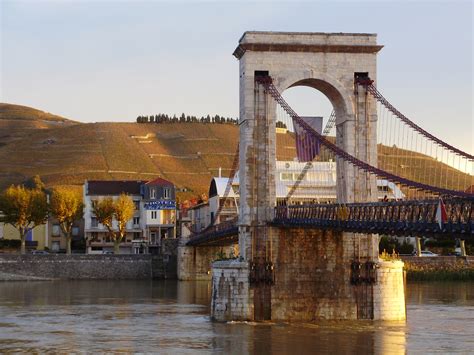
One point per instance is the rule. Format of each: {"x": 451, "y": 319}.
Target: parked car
{"x": 39, "y": 252}
{"x": 428, "y": 253}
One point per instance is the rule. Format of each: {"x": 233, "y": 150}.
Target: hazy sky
{"x": 114, "y": 60}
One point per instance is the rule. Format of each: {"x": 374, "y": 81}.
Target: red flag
{"x": 441, "y": 214}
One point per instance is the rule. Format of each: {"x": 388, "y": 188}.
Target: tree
{"x": 24, "y": 209}
{"x": 103, "y": 210}
{"x": 67, "y": 207}
{"x": 35, "y": 182}
{"x": 123, "y": 212}
{"x": 106, "y": 210}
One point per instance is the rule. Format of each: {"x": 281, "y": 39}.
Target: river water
{"x": 172, "y": 318}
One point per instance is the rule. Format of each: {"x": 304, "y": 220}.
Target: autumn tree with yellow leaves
{"x": 24, "y": 209}
{"x": 120, "y": 210}
{"x": 66, "y": 207}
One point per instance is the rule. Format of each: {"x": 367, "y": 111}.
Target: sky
{"x": 114, "y": 60}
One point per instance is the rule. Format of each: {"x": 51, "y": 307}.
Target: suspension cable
{"x": 271, "y": 89}
{"x": 379, "y": 97}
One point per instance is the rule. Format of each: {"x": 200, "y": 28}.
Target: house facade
{"x": 36, "y": 238}
{"x": 154, "y": 217}
{"x": 158, "y": 211}
{"x": 56, "y": 239}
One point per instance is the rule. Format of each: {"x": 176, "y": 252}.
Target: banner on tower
{"x": 307, "y": 146}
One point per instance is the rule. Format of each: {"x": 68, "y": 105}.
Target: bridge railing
{"x": 379, "y": 217}
{"x": 225, "y": 228}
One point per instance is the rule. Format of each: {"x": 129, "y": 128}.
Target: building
{"x": 200, "y": 217}
{"x": 229, "y": 207}
{"x": 316, "y": 185}
{"x": 153, "y": 220}
{"x": 159, "y": 210}
{"x": 36, "y": 238}
{"x": 47, "y": 236}
{"x": 56, "y": 239}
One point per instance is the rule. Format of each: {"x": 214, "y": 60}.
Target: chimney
{"x": 220, "y": 172}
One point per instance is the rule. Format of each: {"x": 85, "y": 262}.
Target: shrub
{"x": 10, "y": 243}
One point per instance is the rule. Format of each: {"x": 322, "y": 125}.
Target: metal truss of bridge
{"x": 392, "y": 218}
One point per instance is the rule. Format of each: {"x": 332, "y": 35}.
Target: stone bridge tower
{"x": 308, "y": 260}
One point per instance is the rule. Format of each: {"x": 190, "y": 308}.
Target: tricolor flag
{"x": 441, "y": 214}
{"x": 307, "y": 146}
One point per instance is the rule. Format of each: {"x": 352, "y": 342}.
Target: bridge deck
{"x": 418, "y": 218}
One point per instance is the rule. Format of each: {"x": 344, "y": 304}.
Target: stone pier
{"x": 312, "y": 281}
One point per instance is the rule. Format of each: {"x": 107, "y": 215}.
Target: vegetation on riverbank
{"x": 459, "y": 271}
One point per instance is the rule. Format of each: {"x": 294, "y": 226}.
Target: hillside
{"x": 25, "y": 113}
{"x": 17, "y": 122}
{"x": 188, "y": 154}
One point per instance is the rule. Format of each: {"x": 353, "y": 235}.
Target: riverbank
{"x": 86, "y": 267}
{"x": 441, "y": 268}
{"x": 142, "y": 267}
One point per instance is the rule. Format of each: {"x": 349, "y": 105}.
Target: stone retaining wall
{"x": 194, "y": 263}
{"x": 60, "y": 266}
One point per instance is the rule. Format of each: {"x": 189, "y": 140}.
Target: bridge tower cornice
{"x": 309, "y": 42}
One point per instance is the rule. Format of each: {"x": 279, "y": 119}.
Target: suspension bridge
{"x": 374, "y": 144}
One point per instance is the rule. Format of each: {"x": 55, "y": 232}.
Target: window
{"x": 56, "y": 230}
{"x": 94, "y": 222}
{"x": 152, "y": 193}
{"x": 154, "y": 214}
{"x": 75, "y": 231}
{"x": 136, "y": 235}
{"x": 137, "y": 204}
{"x": 136, "y": 221}
{"x": 286, "y": 176}
{"x": 167, "y": 193}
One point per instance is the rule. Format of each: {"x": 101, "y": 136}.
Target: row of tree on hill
{"x": 29, "y": 205}
{"x": 164, "y": 118}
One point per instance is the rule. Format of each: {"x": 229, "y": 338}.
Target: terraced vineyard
{"x": 65, "y": 152}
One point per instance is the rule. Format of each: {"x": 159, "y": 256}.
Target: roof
{"x": 101, "y": 187}
{"x": 160, "y": 181}
{"x": 218, "y": 186}
{"x": 199, "y": 205}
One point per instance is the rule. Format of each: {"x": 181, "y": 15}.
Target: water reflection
{"x": 172, "y": 317}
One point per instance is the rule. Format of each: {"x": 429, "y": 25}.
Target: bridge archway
{"x": 335, "y": 92}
